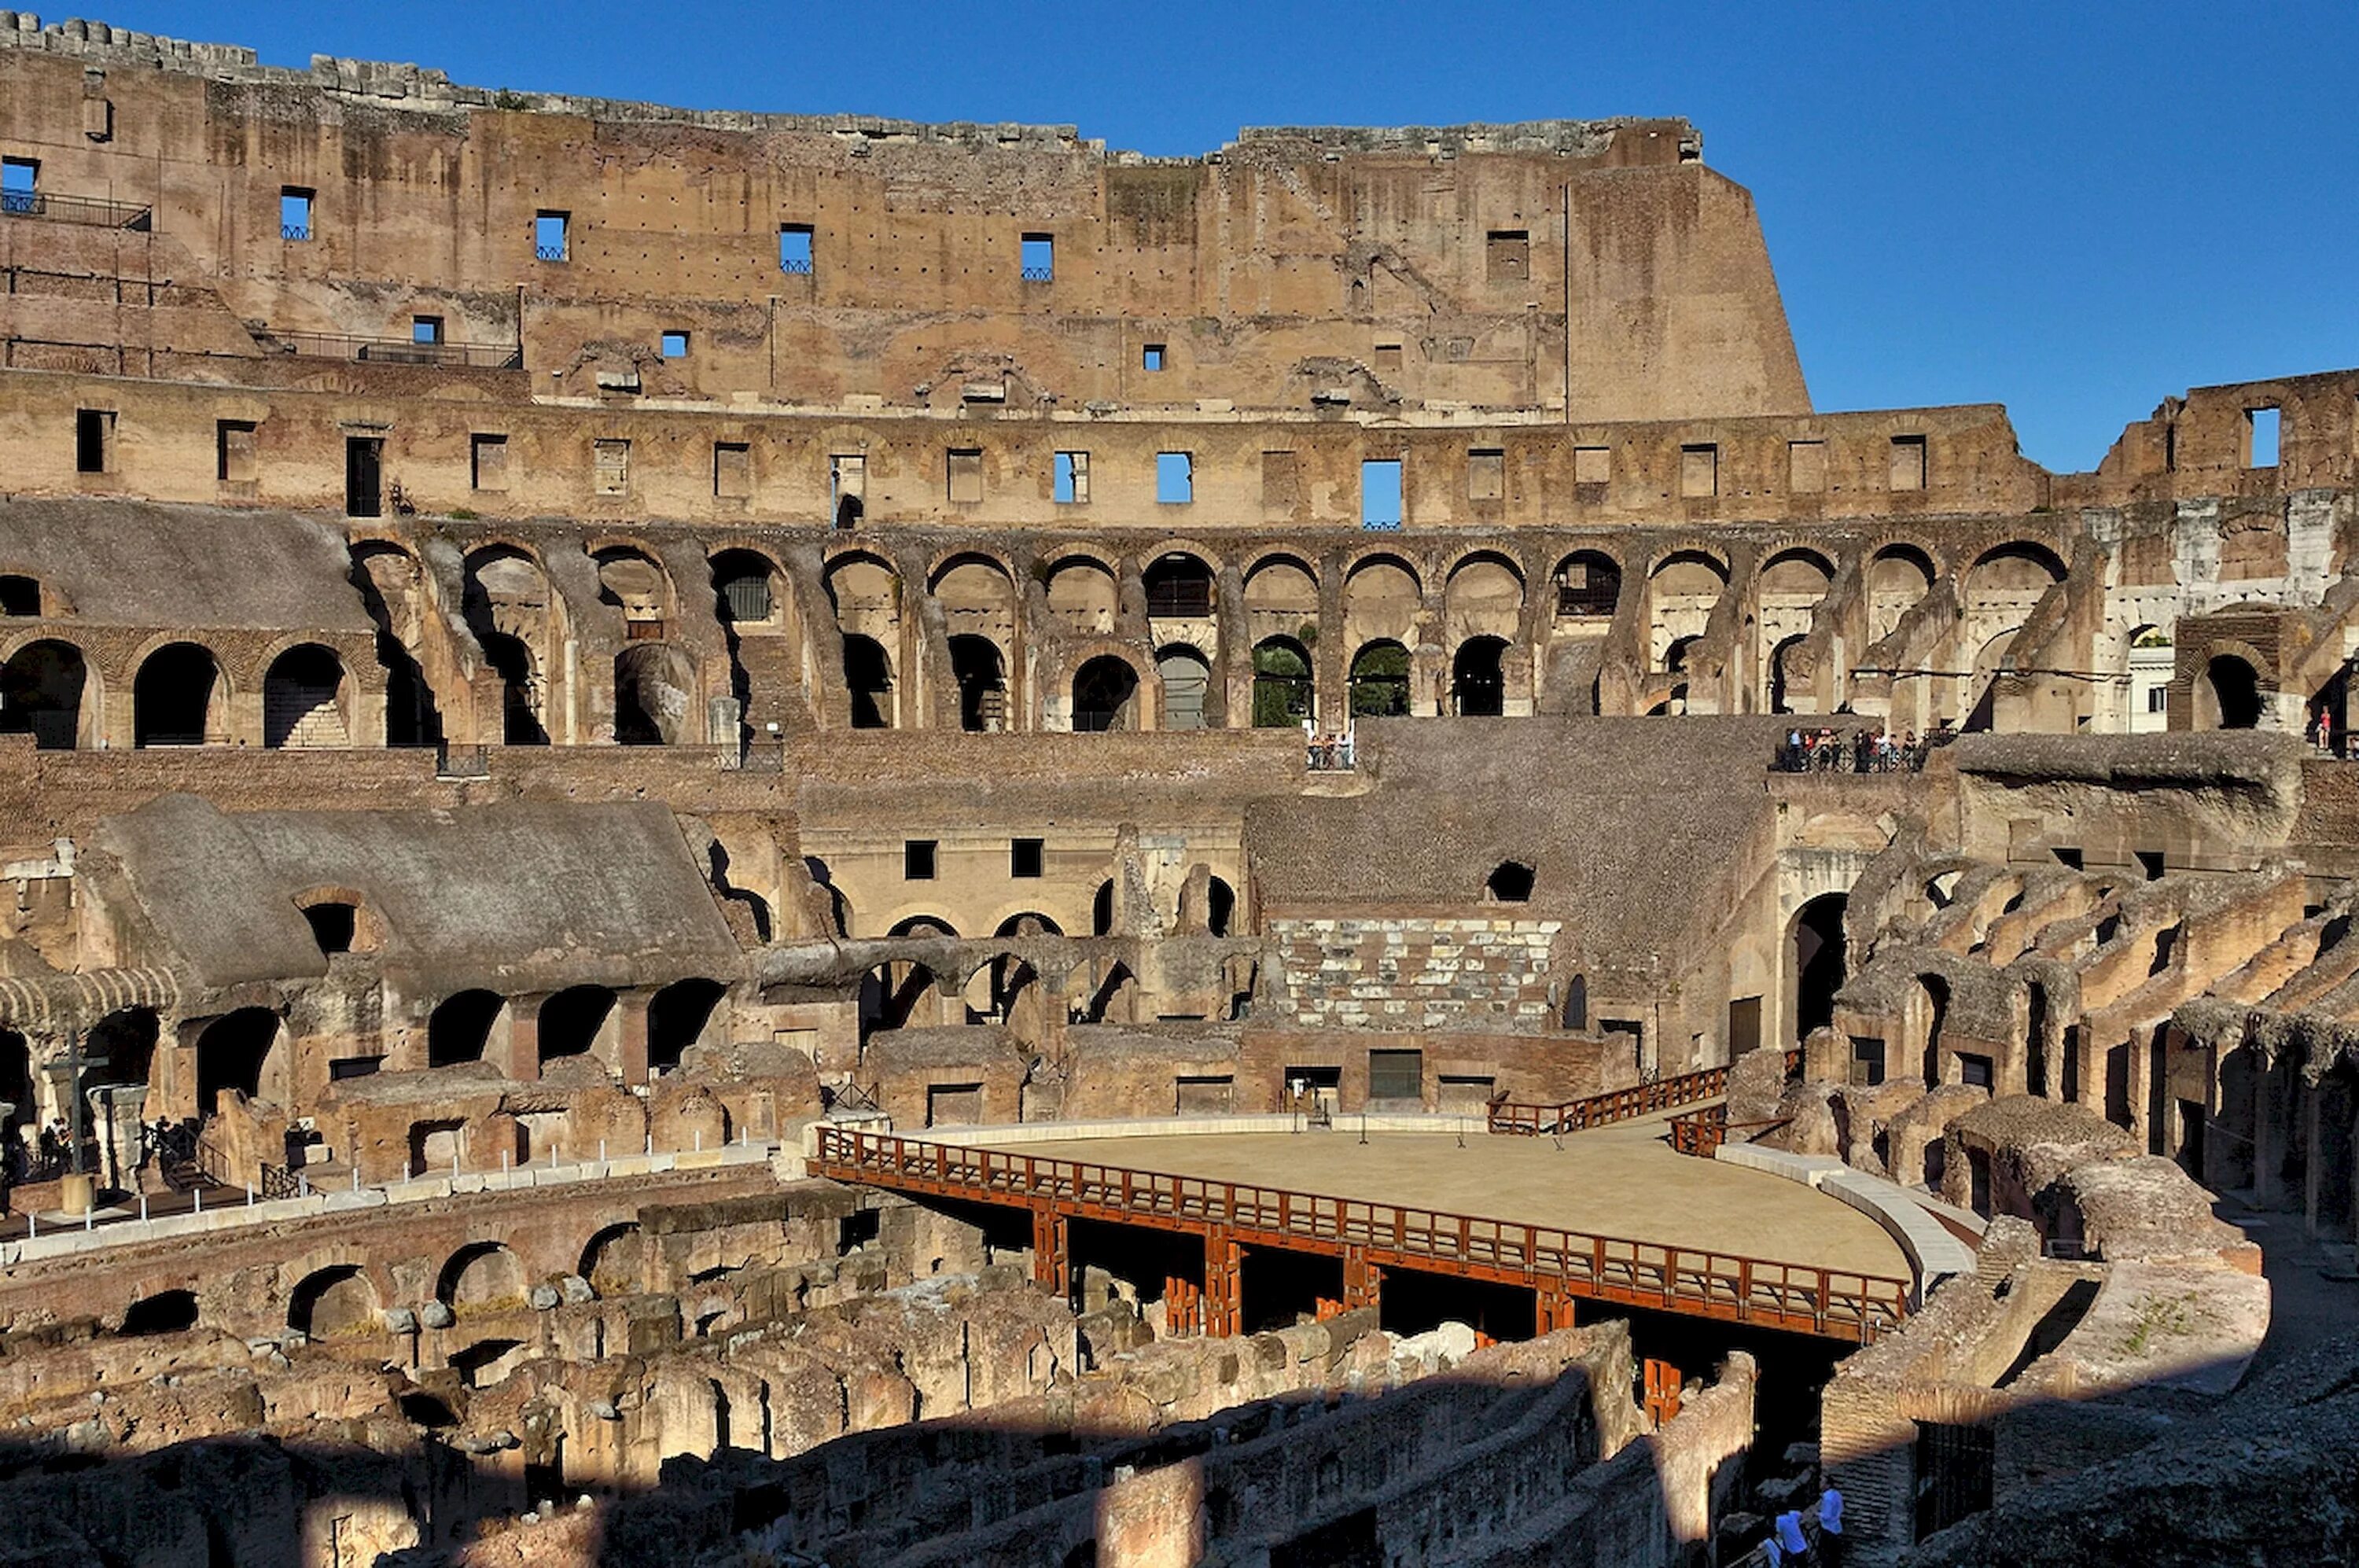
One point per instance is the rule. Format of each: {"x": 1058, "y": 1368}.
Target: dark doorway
{"x": 1105, "y": 693}
{"x": 42, "y": 692}
{"x": 869, "y": 677}
{"x": 231, "y": 1053}
{"x": 677, "y": 1016}
{"x": 519, "y": 707}
{"x": 1819, "y": 957}
{"x": 1477, "y": 684}
{"x": 460, "y": 1027}
{"x": 1380, "y": 681}
{"x": 364, "y": 476}
{"x": 982, "y": 683}
{"x": 2236, "y": 690}
{"x": 173, "y": 696}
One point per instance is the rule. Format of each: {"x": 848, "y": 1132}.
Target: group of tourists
{"x": 1824, "y": 750}
{"x": 1328, "y": 753}
{"x": 38, "y": 1153}
{"x": 1790, "y": 1544}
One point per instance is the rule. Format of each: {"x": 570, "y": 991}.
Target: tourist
{"x": 1831, "y": 1529}
{"x": 1790, "y": 1538}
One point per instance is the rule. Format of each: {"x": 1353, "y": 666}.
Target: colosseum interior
{"x": 751, "y": 839}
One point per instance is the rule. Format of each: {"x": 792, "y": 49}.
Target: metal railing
{"x": 88, "y": 210}
{"x": 1380, "y": 525}
{"x": 299, "y": 232}
{"x": 551, "y": 252}
{"x": 1599, "y": 601}
{"x": 1615, "y": 1104}
{"x": 799, "y": 267}
{"x": 1702, "y": 1132}
{"x": 1861, "y": 751}
{"x": 462, "y": 761}
{"x": 277, "y": 1183}
{"x": 1039, "y": 275}
{"x": 1699, "y": 1281}
{"x": 396, "y": 351}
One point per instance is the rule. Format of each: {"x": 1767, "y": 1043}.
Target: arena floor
{"x": 1622, "y": 1179}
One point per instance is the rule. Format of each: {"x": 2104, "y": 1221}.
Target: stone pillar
{"x": 631, "y": 1017}
{"x": 2312, "y": 1168}
{"x": 520, "y": 1057}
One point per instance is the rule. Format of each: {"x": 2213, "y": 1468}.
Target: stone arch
{"x": 2229, "y": 695}
{"x": 615, "y": 1260}
{"x": 1106, "y": 695}
{"x": 180, "y": 697}
{"x": 1284, "y": 692}
{"x": 1683, "y": 589}
{"x": 336, "y": 1299}
{"x": 1899, "y": 575}
{"x": 307, "y": 700}
{"x": 464, "y": 1027}
{"x": 580, "y": 1020}
{"x": 1220, "y": 906}
{"x": 1588, "y": 583}
{"x": 1083, "y": 593}
{"x": 1187, "y": 677}
{"x": 48, "y": 690}
{"x": 747, "y": 588}
{"x": 979, "y": 668}
{"x": 1782, "y": 660}
{"x": 1380, "y": 679}
{"x": 654, "y": 695}
{"x": 632, "y": 580}
{"x": 1383, "y": 595}
{"x": 482, "y": 1276}
{"x": 1484, "y": 596}
{"x": 680, "y": 1016}
{"x": 511, "y": 658}
{"x": 1818, "y": 956}
{"x": 166, "y": 1312}
{"x": 868, "y": 677}
{"x": 1013, "y": 926}
{"x": 1181, "y": 586}
{"x": 240, "y": 1053}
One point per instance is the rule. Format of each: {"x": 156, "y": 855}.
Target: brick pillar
{"x": 521, "y": 1059}
{"x": 631, "y": 1017}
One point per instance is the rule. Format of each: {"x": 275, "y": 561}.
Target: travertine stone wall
{"x": 1414, "y": 971}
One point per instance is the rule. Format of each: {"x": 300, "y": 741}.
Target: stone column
{"x": 631, "y": 1017}
{"x": 520, "y": 1056}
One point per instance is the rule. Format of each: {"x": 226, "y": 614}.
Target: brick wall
{"x": 1413, "y": 971}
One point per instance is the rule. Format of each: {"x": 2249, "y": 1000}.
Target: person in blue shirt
{"x": 1790, "y": 1538}
{"x": 1831, "y": 1527}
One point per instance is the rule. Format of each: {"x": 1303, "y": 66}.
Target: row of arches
{"x": 476, "y": 1024}
{"x": 180, "y": 697}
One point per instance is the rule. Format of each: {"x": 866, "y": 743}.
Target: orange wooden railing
{"x": 1617, "y": 1104}
{"x": 1702, "y": 1131}
{"x": 1838, "y": 1303}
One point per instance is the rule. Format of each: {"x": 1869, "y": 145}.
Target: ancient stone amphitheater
{"x": 770, "y": 840}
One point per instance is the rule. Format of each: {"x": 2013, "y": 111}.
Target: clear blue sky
{"x": 2076, "y": 210}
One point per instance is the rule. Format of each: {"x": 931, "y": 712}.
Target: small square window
{"x": 18, "y": 179}
{"x": 2262, "y": 428}
{"x": 1151, "y": 357}
{"x": 234, "y": 451}
{"x": 1380, "y": 493}
{"x": 426, "y": 328}
{"x": 1507, "y": 257}
{"x": 1487, "y": 473}
{"x": 1699, "y": 470}
{"x": 795, "y": 248}
{"x": 489, "y": 456}
{"x": 1072, "y": 482}
{"x": 95, "y": 440}
{"x": 295, "y": 213}
{"x": 1039, "y": 258}
{"x": 966, "y": 474}
{"x": 1175, "y": 477}
{"x": 1388, "y": 358}
{"x": 1908, "y": 471}
{"x": 918, "y": 860}
{"x": 675, "y": 345}
{"x": 552, "y": 236}
{"x": 1023, "y": 856}
{"x": 1592, "y": 464}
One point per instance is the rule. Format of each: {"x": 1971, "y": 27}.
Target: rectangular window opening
{"x": 552, "y": 236}
{"x": 2150, "y": 864}
{"x": 364, "y": 476}
{"x": 1699, "y": 470}
{"x": 1487, "y": 473}
{"x": 1806, "y": 467}
{"x": 95, "y": 440}
{"x": 733, "y": 470}
{"x": 2262, "y": 427}
{"x": 1395, "y": 1076}
{"x": 1073, "y": 478}
{"x": 1592, "y": 464}
{"x": 1039, "y": 258}
{"x": 295, "y": 213}
{"x": 1024, "y": 856}
{"x": 1380, "y": 493}
{"x": 488, "y": 458}
{"x": 795, "y": 249}
{"x": 918, "y": 860}
{"x": 1151, "y": 357}
{"x": 234, "y": 450}
{"x": 2158, "y": 699}
{"x": 19, "y": 181}
{"x": 426, "y": 328}
{"x": 966, "y": 473}
{"x": 1867, "y": 1061}
{"x": 610, "y": 467}
{"x": 675, "y": 345}
{"x": 1908, "y": 471}
{"x": 1175, "y": 477}
{"x": 1507, "y": 255}
{"x": 1388, "y": 358}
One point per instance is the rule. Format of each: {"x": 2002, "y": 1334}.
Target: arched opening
{"x": 678, "y": 1017}
{"x": 233, "y": 1053}
{"x": 1477, "y": 682}
{"x": 1102, "y": 909}
{"x": 923, "y": 926}
{"x": 654, "y": 695}
{"x": 459, "y": 1029}
{"x": 633, "y": 581}
{"x": 744, "y": 590}
{"x": 176, "y": 698}
{"x": 1220, "y": 906}
{"x": 1780, "y": 674}
{"x": 890, "y": 995}
{"x": 336, "y": 924}
{"x": 42, "y": 692}
{"x": 1028, "y": 923}
{"x": 128, "y": 1040}
{"x": 303, "y": 700}
{"x": 333, "y": 1300}
{"x": 614, "y": 1262}
{"x": 2234, "y": 688}
{"x": 390, "y": 586}
{"x": 1178, "y": 587}
{"x": 1510, "y": 882}
{"x": 166, "y": 1312}
{"x": 1937, "y": 1011}
{"x": 481, "y": 1276}
{"x": 1187, "y": 679}
{"x": 512, "y": 660}
{"x": 1588, "y": 583}
{"x": 868, "y": 675}
{"x": 1105, "y": 695}
{"x": 1898, "y": 580}
{"x": 1282, "y": 692}
{"x": 1081, "y": 596}
{"x": 1380, "y": 680}
{"x": 981, "y": 677}
{"x": 577, "y": 1021}
{"x": 1819, "y": 960}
